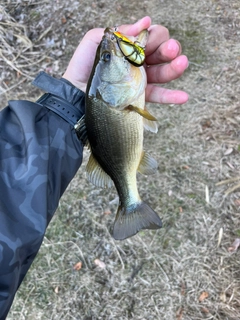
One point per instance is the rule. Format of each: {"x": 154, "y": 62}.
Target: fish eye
{"x": 106, "y": 56}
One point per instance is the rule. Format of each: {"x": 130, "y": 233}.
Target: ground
{"x": 186, "y": 270}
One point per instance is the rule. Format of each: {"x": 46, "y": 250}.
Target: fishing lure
{"x": 132, "y": 51}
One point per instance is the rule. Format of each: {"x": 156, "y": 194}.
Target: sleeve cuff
{"x": 62, "y": 97}
{"x": 59, "y": 87}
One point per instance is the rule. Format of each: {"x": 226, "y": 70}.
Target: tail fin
{"x": 133, "y": 219}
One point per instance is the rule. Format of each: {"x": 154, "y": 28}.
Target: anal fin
{"x": 97, "y": 175}
{"x": 148, "y": 165}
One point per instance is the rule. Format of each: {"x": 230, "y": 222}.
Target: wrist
{"x": 61, "y": 97}
{"x": 63, "y": 88}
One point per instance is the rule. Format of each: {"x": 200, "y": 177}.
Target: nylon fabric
{"x": 39, "y": 155}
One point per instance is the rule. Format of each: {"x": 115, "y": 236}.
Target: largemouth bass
{"x": 113, "y": 125}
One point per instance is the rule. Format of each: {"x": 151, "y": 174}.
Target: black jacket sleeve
{"x": 39, "y": 155}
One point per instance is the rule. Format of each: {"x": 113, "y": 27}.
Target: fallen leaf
{"x": 237, "y": 202}
{"x": 107, "y": 211}
{"x": 100, "y": 264}
{"x": 207, "y": 194}
{"x": 234, "y": 246}
{"x": 220, "y": 235}
{"x": 179, "y": 314}
{"x": 210, "y": 137}
{"x": 204, "y": 295}
{"x": 206, "y": 124}
{"x": 64, "y": 20}
{"x": 77, "y": 266}
{"x": 223, "y": 297}
{"x": 230, "y": 165}
{"x": 183, "y": 289}
{"x": 228, "y": 151}
{"x": 204, "y": 310}
{"x": 56, "y": 290}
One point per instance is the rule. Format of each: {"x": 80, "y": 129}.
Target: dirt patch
{"x": 183, "y": 271}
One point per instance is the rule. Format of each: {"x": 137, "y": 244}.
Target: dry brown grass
{"x": 154, "y": 275}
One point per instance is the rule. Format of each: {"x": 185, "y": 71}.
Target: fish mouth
{"x": 109, "y": 43}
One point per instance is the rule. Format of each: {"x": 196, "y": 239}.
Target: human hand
{"x": 164, "y": 61}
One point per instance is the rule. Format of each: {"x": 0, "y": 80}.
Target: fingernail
{"x": 175, "y": 46}
{"x": 179, "y": 47}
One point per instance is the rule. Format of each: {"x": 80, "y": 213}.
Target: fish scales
{"x": 119, "y": 147}
{"x": 114, "y": 123}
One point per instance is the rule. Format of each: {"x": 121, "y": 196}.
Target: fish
{"x": 113, "y": 126}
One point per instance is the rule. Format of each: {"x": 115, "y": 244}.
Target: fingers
{"x": 136, "y": 28}
{"x": 157, "y": 35}
{"x": 167, "y": 72}
{"x": 166, "y": 51}
{"x": 159, "y": 47}
{"x": 157, "y": 94}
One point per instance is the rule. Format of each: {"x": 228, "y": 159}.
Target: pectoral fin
{"x": 150, "y": 125}
{"x": 81, "y": 130}
{"x": 97, "y": 175}
{"x": 143, "y": 112}
{"x": 147, "y": 165}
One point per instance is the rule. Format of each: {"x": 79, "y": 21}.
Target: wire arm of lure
{"x": 132, "y": 51}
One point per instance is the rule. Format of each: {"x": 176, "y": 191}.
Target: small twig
{"x": 111, "y": 239}
{"x": 12, "y": 87}
{"x": 218, "y": 77}
{"x": 28, "y": 296}
{"x": 44, "y": 33}
{"x": 196, "y": 64}
{"x": 157, "y": 263}
{"x": 13, "y": 66}
{"x": 67, "y": 242}
{"x": 230, "y": 190}
{"x": 220, "y": 183}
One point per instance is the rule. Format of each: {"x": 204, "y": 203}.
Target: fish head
{"x": 118, "y": 77}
